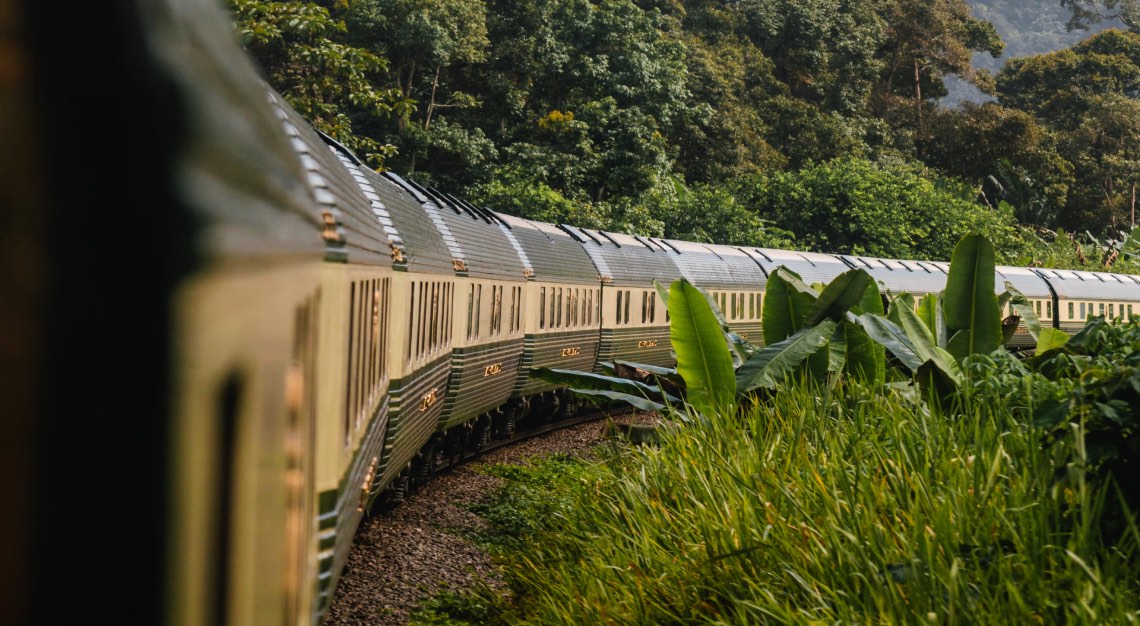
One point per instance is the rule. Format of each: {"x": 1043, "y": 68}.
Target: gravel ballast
{"x": 404, "y": 556}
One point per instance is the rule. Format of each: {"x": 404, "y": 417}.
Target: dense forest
{"x": 814, "y": 124}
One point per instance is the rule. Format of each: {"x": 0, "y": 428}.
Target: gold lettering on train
{"x": 571, "y": 351}
{"x": 428, "y": 400}
{"x": 648, "y": 343}
{"x": 492, "y": 369}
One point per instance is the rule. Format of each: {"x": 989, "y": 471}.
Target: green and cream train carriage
{"x": 1078, "y": 296}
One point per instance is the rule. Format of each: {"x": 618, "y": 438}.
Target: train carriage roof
{"x": 625, "y": 259}
{"x": 812, "y": 267}
{"x": 417, "y": 244}
{"x": 480, "y": 244}
{"x": 712, "y": 266}
{"x": 898, "y": 276}
{"x": 237, "y": 171}
{"x": 553, "y": 254}
{"x": 360, "y": 237}
{"x": 1023, "y": 279}
{"x": 1080, "y": 285}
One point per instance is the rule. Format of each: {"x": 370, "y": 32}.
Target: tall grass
{"x": 850, "y": 506}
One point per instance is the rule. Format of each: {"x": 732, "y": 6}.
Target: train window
{"x": 518, "y": 312}
{"x": 514, "y": 307}
{"x": 617, "y": 311}
{"x": 1130, "y": 311}
{"x": 1101, "y": 307}
{"x": 1110, "y": 310}
{"x": 598, "y": 303}
{"x": 542, "y": 307}
{"x": 411, "y": 320}
{"x": 478, "y": 307}
{"x": 751, "y": 306}
{"x": 653, "y": 307}
{"x": 740, "y": 308}
{"x": 1082, "y": 310}
{"x": 1037, "y": 305}
{"x": 589, "y": 306}
{"x": 732, "y": 313}
{"x": 553, "y": 306}
{"x": 1070, "y": 310}
{"x": 644, "y": 307}
{"x": 557, "y": 304}
{"x": 585, "y": 306}
{"x": 470, "y": 309}
{"x": 627, "y": 299}
{"x": 1048, "y": 309}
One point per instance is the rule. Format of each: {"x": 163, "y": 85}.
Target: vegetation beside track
{"x": 852, "y": 505}
{"x": 962, "y": 485}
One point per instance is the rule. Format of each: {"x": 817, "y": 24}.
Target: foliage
{"x": 1089, "y": 12}
{"x": 303, "y": 50}
{"x": 1078, "y": 251}
{"x": 850, "y": 506}
{"x": 886, "y": 209}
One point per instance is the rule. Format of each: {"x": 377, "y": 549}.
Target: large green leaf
{"x": 970, "y": 304}
{"x": 842, "y": 293}
{"x": 703, "y": 359}
{"x": 1051, "y": 338}
{"x": 1024, "y": 309}
{"x": 866, "y": 358}
{"x": 925, "y": 347}
{"x": 639, "y": 402}
{"x": 930, "y": 312}
{"x": 837, "y": 349}
{"x": 786, "y": 303}
{"x": 769, "y": 366}
{"x": 600, "y": 382}
{"x": 890, "y": 336}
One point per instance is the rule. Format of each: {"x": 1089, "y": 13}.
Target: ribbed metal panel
{"x": 1077, "y": 285}
{"x": 474, "y": 235}
{"x": 627, "y": 260}
{"x": 812, "y": 267}
{"x": 473, "y": 391}
{"x": 751, "y": 331}
{"x": 547, "y": 350}
{"x": 422, "y": 245}
{"x": 342, "y": 520}
{"x": 623, "y": 344}
{"x": 410, "y": 425}
{"x": 716, "y": 267}
{"x": 363, "y": 237}
{"x": 1023, "y": 279}
{"x": 553, "y": 254}
{"x": 900, "y": 276}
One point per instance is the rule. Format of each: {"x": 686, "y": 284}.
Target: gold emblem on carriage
{"x": 571, "y": 351}
{"x": 492, "y": 369}
{"x": 428, "y": 400}
{"x": 647, "y": 343}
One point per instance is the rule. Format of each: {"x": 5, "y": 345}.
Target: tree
{"x": 890, "y": 209}
{"x": 303, "y": 52}
{"x": 1087, "y": 13}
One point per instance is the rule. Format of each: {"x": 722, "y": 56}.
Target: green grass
{"x": 852, "y": 506}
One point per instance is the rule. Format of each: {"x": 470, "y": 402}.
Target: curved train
{"x": 319, "y": 335}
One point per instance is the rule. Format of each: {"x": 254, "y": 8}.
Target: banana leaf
{"x": 587, "y": 381}
{"x": 703, "y": 358}
{"x": 973, "y": 322}
{"x": 842, "y": 293}
{"x": 787, "y": 301}
{"x": 768, "y": 367}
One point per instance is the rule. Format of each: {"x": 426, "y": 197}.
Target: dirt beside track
{"x": 405, "y": 555}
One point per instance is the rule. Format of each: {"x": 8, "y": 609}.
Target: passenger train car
{"x": 237, "y": 338}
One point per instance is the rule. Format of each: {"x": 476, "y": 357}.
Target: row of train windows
{"x": 1081, "y": 310}
{"x": 475, "y": 310}
{"x": 568, "y": 307}
{"x": 732, "y": 305}
{"x": 1110, "y": 310}
{"x": 429, "y": 321}
{"x": 367, "y": 349}
{"x": 648, "y": 307}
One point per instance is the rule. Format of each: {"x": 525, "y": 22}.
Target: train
{"x": 231, "y": 338}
